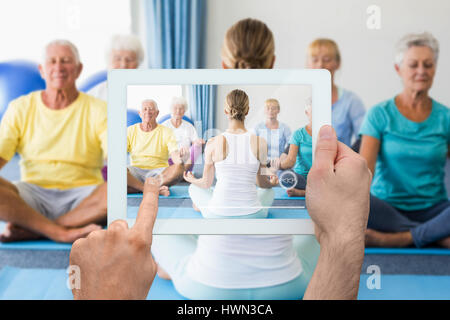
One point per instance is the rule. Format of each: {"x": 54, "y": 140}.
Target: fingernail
{"x": 326, "y": 132}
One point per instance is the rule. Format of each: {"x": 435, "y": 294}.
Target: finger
{"x": 344, "y": 151}
{"x": 76, "y": 250}
{"x": 118, "y": 225}
{"x": 326, "y": 149}
{"x": 146, "y": 217}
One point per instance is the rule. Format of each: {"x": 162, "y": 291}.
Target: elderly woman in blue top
{"x": 276, "y": 133}
{"x": 347, "y": 108}
{"x": 405, "y": 141}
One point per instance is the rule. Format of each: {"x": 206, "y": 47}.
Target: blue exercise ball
{"x": 18, "y": 78}
{"x": 94, "y": 80}
{"x": 132, "y": 117}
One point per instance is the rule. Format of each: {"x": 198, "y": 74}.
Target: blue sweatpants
{"x": 426, "y": 225}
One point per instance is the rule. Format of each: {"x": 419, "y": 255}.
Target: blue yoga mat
{"x": 181, "y": 192}
{"x": 406, "y": 287}
{"x": 189, "y": 213}
{"x": 51, "y": 245}
{"x": 408, "y": 251}
{"x": 50, "y": 284}
{"x": 43, "y": 284}
{"x": 33, "y": 245}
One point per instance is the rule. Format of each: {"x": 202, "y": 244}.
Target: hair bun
{"x": 247, "y": 63}
{"x": 237, "y": 104}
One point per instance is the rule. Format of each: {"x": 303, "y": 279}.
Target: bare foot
{"x": 164, "y": 191}
{"x": 195, "y": 207}
{"x": 162, "y": 273}
{"x": 444, "y": 243}
{"x": 72, "y": 234}
{"x": 384, "y": 239}
{"x": 13, "y": 233}
{"x": 295, "y": 192}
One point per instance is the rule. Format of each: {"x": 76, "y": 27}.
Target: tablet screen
{"x": 232, "y": 158}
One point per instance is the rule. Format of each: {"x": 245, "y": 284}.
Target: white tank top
{"x": 234, "y": 261}
{"x": 243, "y": 262}
{"x": 235, "y": 193}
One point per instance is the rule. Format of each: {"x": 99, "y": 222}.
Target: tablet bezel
{"x": 119, "y": 80}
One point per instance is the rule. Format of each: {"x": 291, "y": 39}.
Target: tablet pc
{"x": 206, "y": 90}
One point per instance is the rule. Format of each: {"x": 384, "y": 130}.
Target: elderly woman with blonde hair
{"x": 347, "y": 108}
{"x": 405, "y": 141}
{"x": 275, "y": 132}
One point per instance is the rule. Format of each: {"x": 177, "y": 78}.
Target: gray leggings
{"x": 426, "y": 226}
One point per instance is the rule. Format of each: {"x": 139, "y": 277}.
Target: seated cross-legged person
{"x": 276, "y": 133}
{"x": 60, "y": 134}
{"x": 234, "y": 266}
{"x": 405, "y": 141}
{"x": 150, "y": 145}
{"x": 297, "y": 156}
{"x": 189, "y": 143}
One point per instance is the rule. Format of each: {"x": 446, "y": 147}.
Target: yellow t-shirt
{"x": 150, "y": 150}
{"x": 59, "y": 149}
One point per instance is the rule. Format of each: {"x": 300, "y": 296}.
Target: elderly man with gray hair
{"x": 405, "y": 141}
{"x": 187, "y": 138}
{"x": 150, "y": 145}
{"x": 124, "y": 51}
{"x": 60, "y": 134}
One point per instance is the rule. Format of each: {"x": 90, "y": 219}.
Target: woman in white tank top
{"x": 235, "y": 158}
{"x": 233, "y": 266}
{"x": 238, "y": 158}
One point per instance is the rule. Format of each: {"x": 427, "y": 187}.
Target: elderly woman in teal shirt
{"x": 405, "y": 141}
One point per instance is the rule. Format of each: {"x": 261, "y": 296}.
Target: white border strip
{"x": 119, "y": 80}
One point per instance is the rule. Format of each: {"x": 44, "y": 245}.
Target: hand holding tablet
{"x": 117, "y": 263}
{"x": 339, "y": 173}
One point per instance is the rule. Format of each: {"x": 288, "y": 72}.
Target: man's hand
{"x": 338, "y": 191}
{"x": 337, "y": 198}
{"x": 117, "y": 263}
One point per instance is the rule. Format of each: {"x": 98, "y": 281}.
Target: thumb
{"x": 326, "y": 149}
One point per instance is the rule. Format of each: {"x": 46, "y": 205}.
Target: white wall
{"x": 26, "y": 26}
{"x": 163, "y": 96}
{"x": 367, "y": 55}
{"x": 291, "y": 98}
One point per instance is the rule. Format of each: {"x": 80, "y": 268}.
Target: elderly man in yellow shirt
{"x": 60, "y": 134}
{"x": 150, "y": 145}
